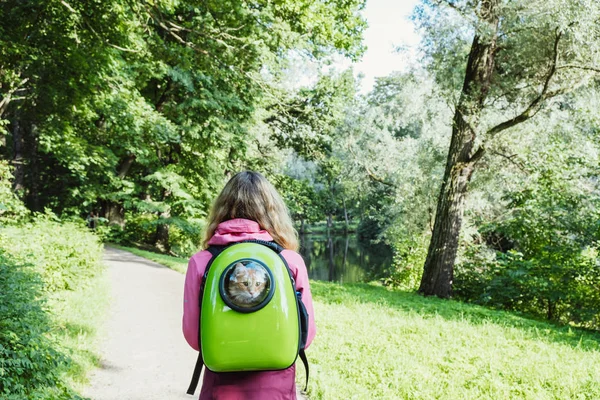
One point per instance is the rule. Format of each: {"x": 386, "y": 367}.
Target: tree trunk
{"x": 34, "y": 172}
{"x": 162, "y": 233}
{"x": 125, "y": 166}
{"x": 439, "y": 265}
{"x": 345, "y": 253}
{"x": 161, "y": 239}
{"x": 113, "y": 212}
{"x": 18, "y": 160}
{"x": 551, "y": 313}
{"x": 331, "y": 262}
{"x": 347, "y": 226}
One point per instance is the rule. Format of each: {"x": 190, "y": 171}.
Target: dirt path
{"x": 145, "y": 356}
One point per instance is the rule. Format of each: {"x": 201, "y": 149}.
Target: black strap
{"x": 215, "y": 250}
{"x": 272, "y": 245}
{"x": 196, "y": 374}
{"x": 302, "y": 355}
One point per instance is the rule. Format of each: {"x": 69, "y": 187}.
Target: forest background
{"x": 140, "y": 111}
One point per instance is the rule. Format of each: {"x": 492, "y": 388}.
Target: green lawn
{"x": 79, "y": 316}
{"x": 373, "y": 343}
{"x": 176, "y": 263}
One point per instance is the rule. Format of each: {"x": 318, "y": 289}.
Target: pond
{"x": 343, "y": 258}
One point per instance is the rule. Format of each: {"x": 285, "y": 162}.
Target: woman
{"x": 248, "y": 207}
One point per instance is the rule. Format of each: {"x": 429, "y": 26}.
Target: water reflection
{"x": 343, "y": 258}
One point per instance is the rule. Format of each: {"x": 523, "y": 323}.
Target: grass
{"x": 79, "y": 316}
{"x": 374, "y": 343}
{"x": 51, "y": 349}
{"x": 176, "y": 263}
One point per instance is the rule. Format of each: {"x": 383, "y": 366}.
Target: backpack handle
{"x": 272, "y": 245}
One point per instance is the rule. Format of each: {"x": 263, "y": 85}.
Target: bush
{"x": 407, "y": 267}
{"x": 11, "y": 208}
{"x": 37, "y": 260}
{"x": 63, "y": 253}
{"x": 185, "y": 235}
{"x": 29, "y": 363}
{"x": 553, "y": 270}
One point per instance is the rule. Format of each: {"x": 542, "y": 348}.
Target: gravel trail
{"x": 144, "y": 354}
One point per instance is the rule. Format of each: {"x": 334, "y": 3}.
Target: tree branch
{"x": 5, "y": 100}
{"x": 510, "y": 159}
{"x": 584, "y": 67}
{"x": 477, "y": 155}
{"x": 537, "y": 103}
{"x": 370, "y": 173}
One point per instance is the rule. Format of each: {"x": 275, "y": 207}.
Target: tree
{"x": 145, "y": 107}
{"x": 521, "y": 55}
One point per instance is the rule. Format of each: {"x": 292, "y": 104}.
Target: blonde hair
{"x": 251, "y": 196}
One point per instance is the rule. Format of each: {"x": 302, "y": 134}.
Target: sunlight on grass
{"x": 175, "y": 263}
{"x": 79, "y": 317}
{"x": 375, "y": 344}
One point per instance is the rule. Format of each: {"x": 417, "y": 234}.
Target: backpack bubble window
{"x": 246, "y": 285}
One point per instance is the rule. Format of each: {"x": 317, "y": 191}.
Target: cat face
{"x": 247, "y": 284}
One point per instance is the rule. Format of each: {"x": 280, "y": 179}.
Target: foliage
{"x": 147, "y": 108}
{"x": 300, "y": 196}
{"x": 11, "y": 207}
{"x": 519, "y": 59}
{"x": 552, "y": 269}
{"x": 29, "y": 361}
{"x": 531, "y": 237}
{"x": 34, "y": 275}
{"x": 64, "y": 253}
{"x": 406, "y": 269}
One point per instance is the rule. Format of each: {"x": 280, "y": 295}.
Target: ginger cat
{"x": 247, "y": 284}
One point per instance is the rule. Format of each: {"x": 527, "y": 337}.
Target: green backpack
{"x": 252, "y": 317}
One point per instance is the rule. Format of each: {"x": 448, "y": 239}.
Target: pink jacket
{"x": 273, "y": 385}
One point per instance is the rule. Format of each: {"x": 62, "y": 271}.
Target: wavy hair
{"x": 251, "y": 196}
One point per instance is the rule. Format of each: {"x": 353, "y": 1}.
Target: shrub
{"x": 407, "y": 267}
{"x": 29, "y": 363}
{"x": 63, "y": 253}
{"x": 37, "y": 260}
{"x": 11, "y": 208}
{"x": 553, "y": 270}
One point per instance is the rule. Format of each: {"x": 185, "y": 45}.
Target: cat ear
{"x": 238, "y": 269}
{"x": 238, "y": 266}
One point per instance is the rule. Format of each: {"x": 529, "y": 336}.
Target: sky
{"x": 389, "y": 27}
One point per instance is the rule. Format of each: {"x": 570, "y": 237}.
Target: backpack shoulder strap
{"x": 214, "y": 251}
{"x": 302, "y": 355}
{"x": 196, "y": 374}
{"x": 303, "y": 316}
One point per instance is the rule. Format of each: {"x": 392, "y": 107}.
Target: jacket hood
{"x": 237, "y": 230}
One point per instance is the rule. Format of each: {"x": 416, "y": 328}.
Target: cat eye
{"x": 246, "y": 284}
{"x": 257, "y": 283}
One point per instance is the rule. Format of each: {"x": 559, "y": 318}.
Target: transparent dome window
{"x": 246, "y": 285}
